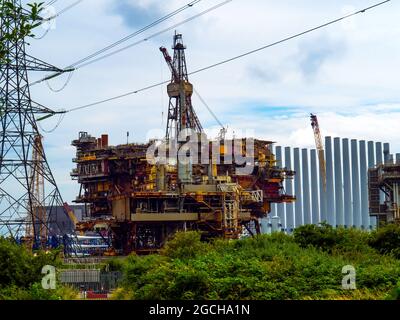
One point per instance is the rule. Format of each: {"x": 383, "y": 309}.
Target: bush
{"x": 387, "y": 240}
{"x": 36, "y": 292}
{"x": 331, "y": 239}
{"x": 395, "y": 294}
{"x": 274, "y": 266}
{"x": 19, "y": 267}
{"x": 185, "y": 245}
{"x": 321, "y": 236}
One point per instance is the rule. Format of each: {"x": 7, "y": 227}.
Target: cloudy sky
{"x": 347, "y": 73}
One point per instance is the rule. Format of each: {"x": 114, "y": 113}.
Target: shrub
{"x": 386, "y": 240}
{"x": 321, "y": 236}
{"x": 185, "y": 245}
{"x": 19, "y": 267}
{"x": 331, "y": 239}
{"x": 274, "y": 266}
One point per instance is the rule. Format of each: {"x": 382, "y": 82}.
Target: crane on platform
{"x": 37, "y": 228}
{"x": 181, "y": 114}
{"x": 320, "y": 147}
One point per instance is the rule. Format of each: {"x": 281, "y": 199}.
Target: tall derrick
{"x": 181, "y": 114}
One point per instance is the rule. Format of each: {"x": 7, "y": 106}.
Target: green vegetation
{"x": 20, "y": 274}
{"x": 307, "y": 265}
{"x": 387, "y": 240}
{"x": 28, "y": 20}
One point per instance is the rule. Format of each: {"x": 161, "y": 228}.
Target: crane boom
{"x": 320, "y": 148}
{"x": 168, "y": 59}
{"x": 71, "y": 214}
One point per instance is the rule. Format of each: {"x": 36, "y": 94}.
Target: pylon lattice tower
{"x": 28, "y": 191}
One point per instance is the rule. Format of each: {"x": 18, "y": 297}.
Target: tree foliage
{"x": 307, "y": 265}
{"x": 20, "y": 21}
{"x": 20, "y": 273}
{"x": 387, "y": 240}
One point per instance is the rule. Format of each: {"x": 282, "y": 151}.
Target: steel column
{"x": 306, "y": 188}
{"x": 314, "y": 188}
{"x": 371, "y": 164}
{"x": 355, "y": 176}
{"x": 330, "y": 199}
{"x": 386, "y": 153}
{"x": 379, "y": 160}
{"x": 379, "y": 153}
{"x": 348, "y": 209}
{"x": 298, "y": 189}
{"x": 290, "y": 220}
{"x": 364, "y": 185}
{"x": 338, "y": 183}
{"x": 371, "y": 154}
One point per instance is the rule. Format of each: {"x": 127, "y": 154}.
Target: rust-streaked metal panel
{"x": 152, "y": 217}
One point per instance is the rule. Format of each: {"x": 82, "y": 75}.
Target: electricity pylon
{"x": 27, "y": 185}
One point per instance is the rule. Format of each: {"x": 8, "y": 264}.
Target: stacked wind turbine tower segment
{"x": 344, "y": 202}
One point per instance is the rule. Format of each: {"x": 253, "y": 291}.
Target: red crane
{"x": 320, "y": 148}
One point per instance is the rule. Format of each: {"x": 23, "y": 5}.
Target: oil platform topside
{"x": 138, "y": 195}
{"x": 384, "y": 192}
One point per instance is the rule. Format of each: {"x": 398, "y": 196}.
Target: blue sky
{"x": 346, "y": 73}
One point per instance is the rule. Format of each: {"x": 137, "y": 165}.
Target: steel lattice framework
{"x": 22, "y": 158}
{"x": 181, "y": 114}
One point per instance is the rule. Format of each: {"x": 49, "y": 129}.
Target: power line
{"x": 231, "y": 59}
{"x": 288, "y": 38}
{"x": 45, "y": 20}
{"x": 61, "y": 11}
{"x": 162, "y": 19}
{"x": 63, "y": 86}
{"x": 154, "y": 34}
{"x": 119, "y": 97}
{"x": 122, "y": 40}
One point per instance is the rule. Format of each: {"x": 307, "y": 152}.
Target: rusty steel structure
{"x": 140, "y": 203}
{"x": 384, "y": 192}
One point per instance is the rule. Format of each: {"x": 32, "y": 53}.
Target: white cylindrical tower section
{"x": 379, "y": 153}
{"x": 315, "y": 218}
{"x": 355, "y": 177}
{"x": 364, "y": 185}
{"x": 330, "y": 192}
{"x": 339, "y": 205}
{"x": 371, "y": 164}
{"x": 386, "y": 153}
{"x": 290, "y": 220}
{"x": 297, "y": 189}
{"x": 347, "y": 194}
{"x": 306, "y": 188}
